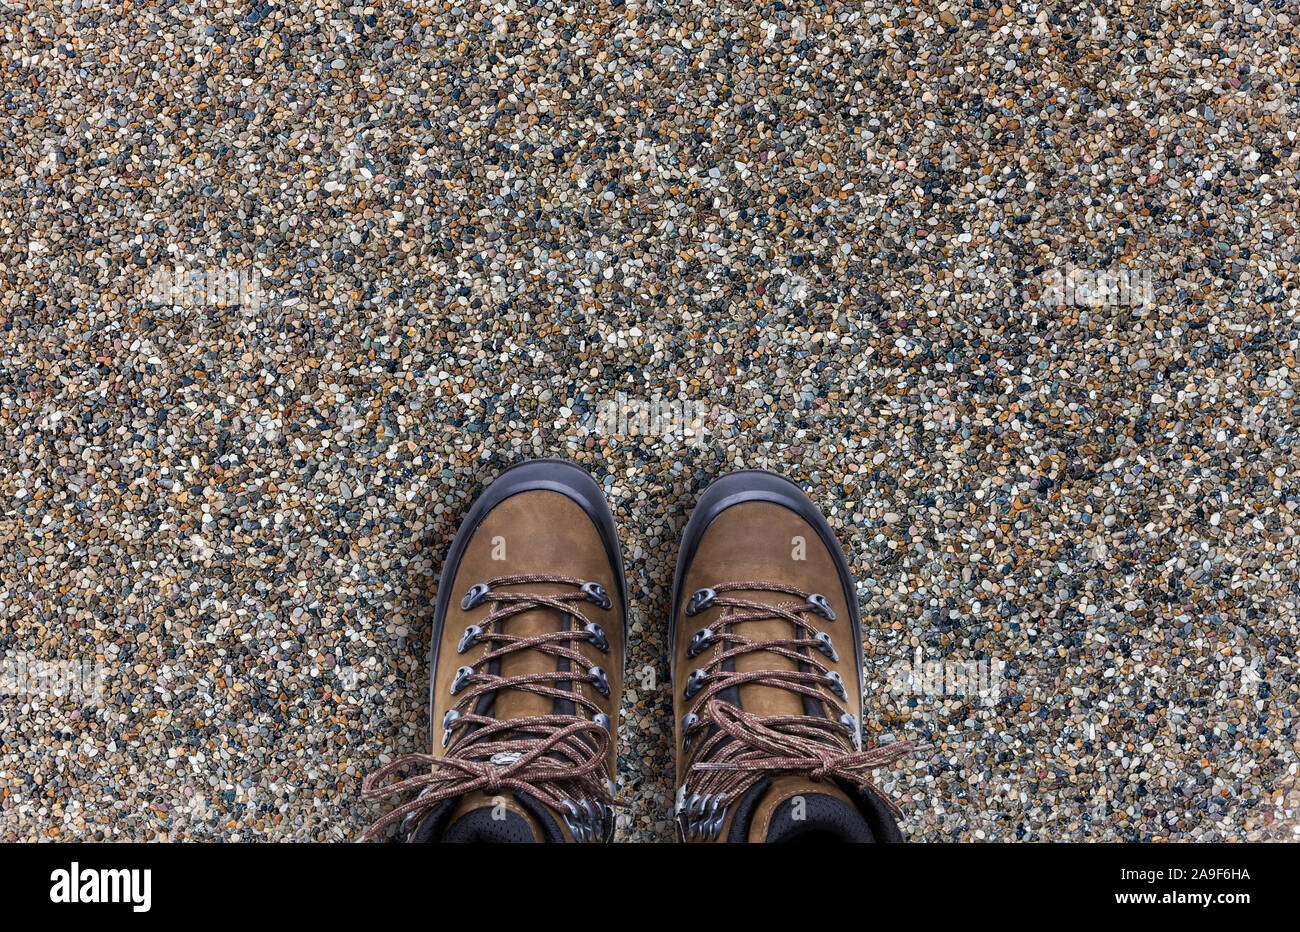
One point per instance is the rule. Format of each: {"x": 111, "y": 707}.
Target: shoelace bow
{"x": 744, "y": 747}
{"x": 559, "y": 760}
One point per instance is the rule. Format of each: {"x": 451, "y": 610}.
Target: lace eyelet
{"x": 462, "y": 678}
{"x": 601, "y": 681}
{"x": 700, "y": 816}
{"x": 576, "y": 820}
{"x": 717, "y": 815}
{"x": 694, "y": 683}
{"x": 817, "y": 602}
{"x": 597, "y": 595}
{"x": 700, "y": 600}
{"x": 824, "y": 645}
{"x": 601, "y": 719}
{"x": 469, "y": 638}
{"x": 586, "y": 819}
{"x": 850, "y": 721}
{"x": 699, "y": 642}
{"x": 448, "y": 725}
{"x": 474, "y": 598}
{"x": 596, "y": 635}
{"x": 836, "y": 683}
{"x": 689, "y": 721}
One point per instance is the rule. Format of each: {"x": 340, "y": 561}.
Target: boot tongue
{"x": 518, "y": 703}
{"x": 795, "y": 809}
{"x": 479, "y": 818}
{"x": 765, "y": 700}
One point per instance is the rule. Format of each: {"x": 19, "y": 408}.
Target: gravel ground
{"x": 1010, "y": 289}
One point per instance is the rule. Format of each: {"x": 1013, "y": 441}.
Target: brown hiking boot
{"x": 527, "y": 664}
{"x": 767, "y": 675}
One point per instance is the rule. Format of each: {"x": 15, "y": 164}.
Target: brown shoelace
{"x": 739, "y": 748}
{"x": 559, "y": 760}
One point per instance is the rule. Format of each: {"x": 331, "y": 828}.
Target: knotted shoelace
{"x": 556, "y": 759}
{"x": 739, "y": 748}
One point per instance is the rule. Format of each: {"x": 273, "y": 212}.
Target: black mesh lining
{"x": 826, "y": 818}
{"x": 430, "y": 830}
{"x": 478, "y": 827}
{"x": 870, "y": 822}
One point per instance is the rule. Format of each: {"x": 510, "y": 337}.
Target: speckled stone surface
{"x": 285, "y": 285}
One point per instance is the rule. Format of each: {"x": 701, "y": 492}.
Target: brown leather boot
{"x": 527, "y": 670}
{"x": 767, "y": 674}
